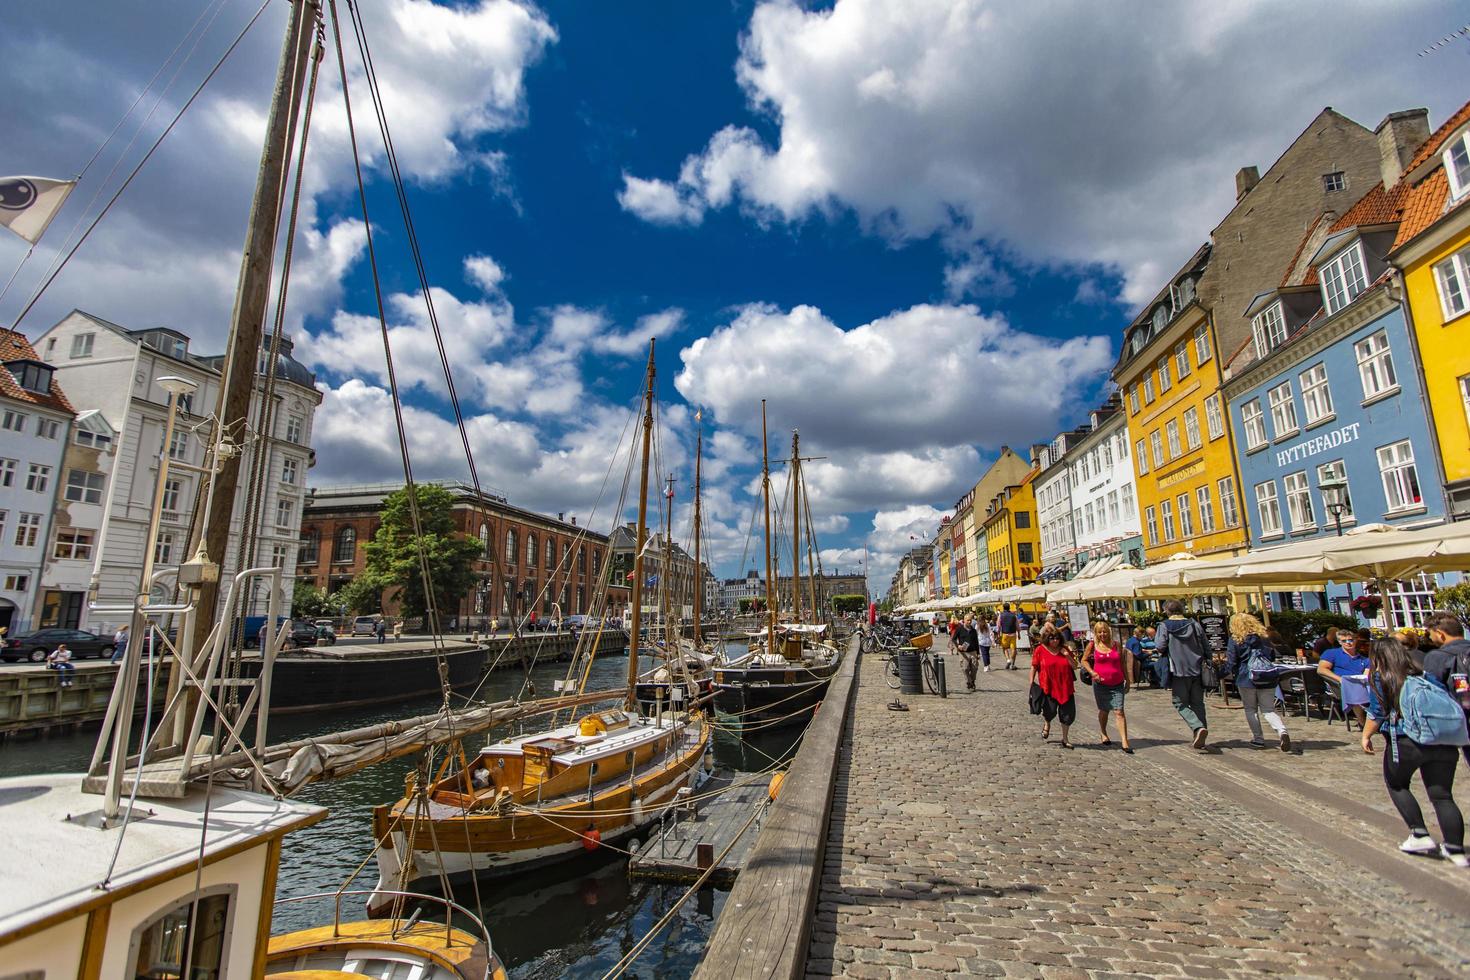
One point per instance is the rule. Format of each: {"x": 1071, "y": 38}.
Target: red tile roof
{"x": 1427, "y": 203}
{"x": 15, "y": 347}
{"x": 1436, "y": 140}
{"x": 1377, "y": 207}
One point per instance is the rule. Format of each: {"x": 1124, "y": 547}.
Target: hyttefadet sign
{"x": 1308, "y": 448}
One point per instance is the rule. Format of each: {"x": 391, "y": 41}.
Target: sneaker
{"x": 1458, "y": 858}
{"x": 1200, "y": 735}
{"x": 987, "y": 668}
{"x": 1285, "y": 742}
{"x": 1257, "y": 743}
{"x": 1416, "y": 844}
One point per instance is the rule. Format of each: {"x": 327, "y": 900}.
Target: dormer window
{"x": 1268, "y": 328}
{"x": 1161, "y": 318}
{"x": 1343, "y": 278}
{"x": 1457, "y": 165}
{"x": 166, "y": 343}
{"x": 33, "y": 376}
{"x": 1181, "y": 294}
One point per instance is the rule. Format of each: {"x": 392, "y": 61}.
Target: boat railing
{"x": 449, "y": 905}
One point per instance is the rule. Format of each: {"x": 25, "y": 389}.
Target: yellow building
{"x": 1183, "y": 453}
{"x": 1009, "y": 469}
{"x": 1012, "y": 538}
{"x": 1432, "y": 248}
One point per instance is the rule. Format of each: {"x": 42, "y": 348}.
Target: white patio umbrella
{"x": 1395, "y": 554}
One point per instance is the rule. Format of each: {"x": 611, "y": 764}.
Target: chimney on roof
{"x": 1399, "y": 137}
{"x": 1036, "y": 450}
{"x": 561, "y": 515}
{"x": 1245, "y": 179}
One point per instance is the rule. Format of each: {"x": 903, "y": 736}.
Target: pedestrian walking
{"x": 1449, "y": 663}
{"x": 1111, "y": 669}
{"x": 263, "y": 638}
{"x": 1181, "y": 641}
{"x": 60, "y": 660}
{"x": 985, "y": 637}
{"x": 1052, "y": 687}
{"x": 1423, "y": 728}
{"x": 1009, "y": 625}
{"x": 397, "y": 630}
{"x": 953, "y": 627}
{"x": 1250, "y": 641}
{"x": 1345, "y": 666}
{"x": 380, "y": 628}
{"x": 120, "y": 643}
{"x": 967, "y": 642}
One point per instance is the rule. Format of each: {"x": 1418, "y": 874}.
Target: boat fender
{"x": 709, "y": 762}
{"x": 637, "y": 811}
{"x": 591, "y": 839}
{"x": 775, "y": 787}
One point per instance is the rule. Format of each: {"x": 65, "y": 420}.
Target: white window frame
{"x": 7, "y": 472}
{"x": 1181, "y": 359}
{"x": 1166, "y": 513}
{"x": 14, "y": 421}
{"x": 47, "y": 428}
{"x": 1268, "y": 328}
{"x": 1316, "y": 394}
{"x": 82, "y": 344}
{"x": 1214, "y": 417}
{"x": 285, "y": 511}
{"x": 1165, "y": 382}
{"x": 295, "y": 426}
{"x": 1201, "y": 344}
{"x": 1298, "y": 490}
{"x": 1229, "y": 506}
{"x": 83, "y": 487}
{"x": 1375, "y": 365}
{"x": 38, "y": 477}
{"x": 1206, "y": 509}
{"x": 1268, "y": 508}
{"x": 178, "y": 445}
{"x": 173, "y": 492}
{"x": 1452, "y": 277}
{"x": 1151, "y": 522}
{"x": 1191, "y": 428}
{"x": 1344, "y": 278}
{"x": 1253, "y": 424}
{"x": 1133, "y": 399}
{"x": 1465, "y": 397}
{"x": 1401, "y": 488}
{"x": 1335, "y": 180}
{"x": 1283, "y": 411}
{"x": 1456, "y": 157}
{"x": 1186, "y": 516}
{"x": 1148, "y": 388}
{"x": 1156, "y": 444}
{"x": 27, "y": 530}
{"x": 73, "y": 544}
{"x": 290, "y": 470}
{"x": 1141, "y": 454}
{"x": 1336, "y": 469}
{"x": 1171, "y": 433}
{"x": 163, "y": 551}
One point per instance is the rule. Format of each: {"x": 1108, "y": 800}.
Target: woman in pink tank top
{"x": 1109, "y": 665}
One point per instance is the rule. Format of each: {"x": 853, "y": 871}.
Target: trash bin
{"x": 910, "y": 681}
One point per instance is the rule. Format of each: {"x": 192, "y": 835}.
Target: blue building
{"x": 1328, "y": 391}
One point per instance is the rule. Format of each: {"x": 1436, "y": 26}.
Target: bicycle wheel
{"x": 890, "y": 671}
{"x": 931, "y": 675}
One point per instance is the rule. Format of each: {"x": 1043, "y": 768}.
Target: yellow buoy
{"x": 776, "y": 781}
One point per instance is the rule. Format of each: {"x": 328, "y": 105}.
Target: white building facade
{"x": 35, "y": 423}
{"x": 116, "y": 373}
{"x": 1105, "y": 518}
{"x": 1054, "y": 507}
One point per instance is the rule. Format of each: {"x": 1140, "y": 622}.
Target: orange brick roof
{"x": 15, "y": 347}
{"x": 1377, "y": 207}
{"x": 1436, "y": 140}
{"x": 1425, "y": 205}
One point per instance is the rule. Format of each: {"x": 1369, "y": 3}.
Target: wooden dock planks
{"x": 765, "y": 927}
{"x": 673, "y": 854}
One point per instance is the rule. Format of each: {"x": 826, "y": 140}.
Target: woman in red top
{"x": 1051, "y": 680}
{"x": 1109, "y": 666}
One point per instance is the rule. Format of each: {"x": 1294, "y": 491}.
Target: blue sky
{"x": 916, "y": 227}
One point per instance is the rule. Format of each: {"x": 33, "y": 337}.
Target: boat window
{"x": 196, "y": 929}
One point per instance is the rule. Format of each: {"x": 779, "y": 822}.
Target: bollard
{"x": 704, "y": 856}
{"x": 943, "y": 681}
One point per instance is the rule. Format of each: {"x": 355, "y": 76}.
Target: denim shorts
{"x": 1108, "y": 698}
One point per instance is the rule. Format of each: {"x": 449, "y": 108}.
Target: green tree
{"x": 1455, "y": 599}
{"x": 360, "y": 596}
{"x": 849, "y": 603}
{"x": 308, "y": 602}
{"x": 393, "y": 553}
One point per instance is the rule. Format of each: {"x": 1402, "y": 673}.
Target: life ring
{"x": 591, "y": 839}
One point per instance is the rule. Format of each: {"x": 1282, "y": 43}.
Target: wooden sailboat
{"x": 551, "y": 795}
{"x": 687, "y": 672}
{"x": 785, "y": 675}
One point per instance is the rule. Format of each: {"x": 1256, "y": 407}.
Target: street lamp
{"x": 1335, "y": 498}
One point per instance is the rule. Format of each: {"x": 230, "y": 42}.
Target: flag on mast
{"x": 27, "y": 204}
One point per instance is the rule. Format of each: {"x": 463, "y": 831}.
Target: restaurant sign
{"x": 1320, "y": 444}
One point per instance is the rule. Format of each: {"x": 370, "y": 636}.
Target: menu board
{"x": 1216, "y": 632}
{"x": 1077, "y": 616}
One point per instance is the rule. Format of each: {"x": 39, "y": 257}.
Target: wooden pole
{"x": 252, "y": 295}
{"x": 766, "y": 492}
{"x": 641, "y": 536}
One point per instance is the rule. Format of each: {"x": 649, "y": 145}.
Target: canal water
{"x": 575, "y": 919}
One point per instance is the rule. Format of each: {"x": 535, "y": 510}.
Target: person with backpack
{"x": 1182, "y": 642}
{"x": 1248, "y": 659}
{"x": 1424, "y": 725}
{"x": 1449, "y": 663}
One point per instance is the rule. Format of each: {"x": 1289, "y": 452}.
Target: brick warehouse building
{"x": 523, "y": 550}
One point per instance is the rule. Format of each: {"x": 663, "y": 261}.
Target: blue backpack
{"x": 1430, "y": 715}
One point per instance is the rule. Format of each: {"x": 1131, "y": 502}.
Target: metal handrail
{"x": 448, "y": 903}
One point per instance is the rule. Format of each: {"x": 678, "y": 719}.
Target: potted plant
{"x": 1367, "y": 605}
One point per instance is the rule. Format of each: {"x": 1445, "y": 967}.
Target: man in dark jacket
{"x": 1182, "y": 640}
{"x": 1452, "y": 657}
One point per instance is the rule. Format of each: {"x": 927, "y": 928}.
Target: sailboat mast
{"x": 665, "y": 580}
{"x": 766, "y": 491}
{"x": 796, "y": 526}
{"x": 698, "y": 573}
{"x": 640, "y": 538}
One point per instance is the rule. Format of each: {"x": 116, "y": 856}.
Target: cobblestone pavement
{"x": 961, "y": 844}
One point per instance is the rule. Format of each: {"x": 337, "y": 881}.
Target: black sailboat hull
{"x": 771, "y": 697}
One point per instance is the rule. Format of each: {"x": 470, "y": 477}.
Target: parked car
{"x": 307, "y": 634}
{"x": 34, "y": 646}
{"x": 365, "y": 625}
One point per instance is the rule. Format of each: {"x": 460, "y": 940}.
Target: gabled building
{"x": 1054, "y": 506}
{"x": 1432, "y": 248}
{"x": 1105, "y": 522}
{"x": 1012, "y": 538}
{"x": 35, "y": 426}
{"x": 1008, "y": 469}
